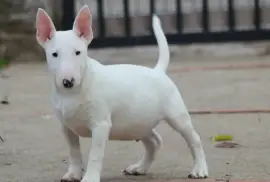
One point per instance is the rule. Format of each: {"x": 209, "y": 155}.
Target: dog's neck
{"x": 67, "y": 101}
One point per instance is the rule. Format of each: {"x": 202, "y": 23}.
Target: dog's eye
{"x": 78, "y": 53}
{"x": 55, "y": 54}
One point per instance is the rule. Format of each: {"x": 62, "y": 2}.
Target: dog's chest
{"x": 74, "y": 115}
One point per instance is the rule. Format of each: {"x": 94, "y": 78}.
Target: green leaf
{"x": 3, "y": 63}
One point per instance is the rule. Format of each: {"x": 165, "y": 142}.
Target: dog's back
{"x": 136, "y": 96}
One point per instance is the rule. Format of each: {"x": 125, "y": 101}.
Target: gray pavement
{"x": 35, "y": 151}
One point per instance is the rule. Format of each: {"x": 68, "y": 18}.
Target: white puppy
{"x": 114, "y": 102}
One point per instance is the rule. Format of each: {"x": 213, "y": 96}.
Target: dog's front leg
{"x": 75, "y": 170}
{"x": 100, "y": 135}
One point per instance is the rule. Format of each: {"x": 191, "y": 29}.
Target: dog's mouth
{"x": 69, "y": 84}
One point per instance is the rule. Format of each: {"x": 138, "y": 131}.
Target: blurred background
{"x": 128, "y": 22}
{"x": 219, "y": 61}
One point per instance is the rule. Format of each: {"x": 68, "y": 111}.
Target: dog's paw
{"x": 74, "y": 175}
{"x": 199, "y": 171}
{"x": 135, "y": 169}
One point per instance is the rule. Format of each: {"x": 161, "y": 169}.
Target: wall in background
{"x": 17, "y": 33}
{"x": 139, "y": 12}
{"x": 17, "y": 19}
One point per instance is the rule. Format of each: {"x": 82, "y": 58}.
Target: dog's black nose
{"x": 68, "y": 83}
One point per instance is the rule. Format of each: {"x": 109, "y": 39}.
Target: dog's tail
{"x": 164, "y": 53}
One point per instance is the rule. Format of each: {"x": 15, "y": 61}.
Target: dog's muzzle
{"x": 68, "y": 83}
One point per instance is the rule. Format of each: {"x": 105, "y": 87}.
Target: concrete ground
{"x": 34, "y": 149}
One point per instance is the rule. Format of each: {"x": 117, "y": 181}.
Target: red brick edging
{"x": 205, "y": 180}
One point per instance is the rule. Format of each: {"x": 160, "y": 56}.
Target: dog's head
{"x": 66, "y": 51}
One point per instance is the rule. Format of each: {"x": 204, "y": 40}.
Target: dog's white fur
{"x": 114, "y": 102}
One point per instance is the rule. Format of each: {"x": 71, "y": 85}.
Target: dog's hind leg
{"x": 151, "y": 144}
{"x": 181, "y": 122}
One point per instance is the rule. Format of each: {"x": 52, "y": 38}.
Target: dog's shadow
{"x": 141, "y": 178}
{"x": 127, "y": 178}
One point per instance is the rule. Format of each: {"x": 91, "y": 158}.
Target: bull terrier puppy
{"x": 113, "y": 102}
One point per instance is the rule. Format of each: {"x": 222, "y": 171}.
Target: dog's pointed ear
{"x": 45, "y": 27}
{"x": 83, "y": 24}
